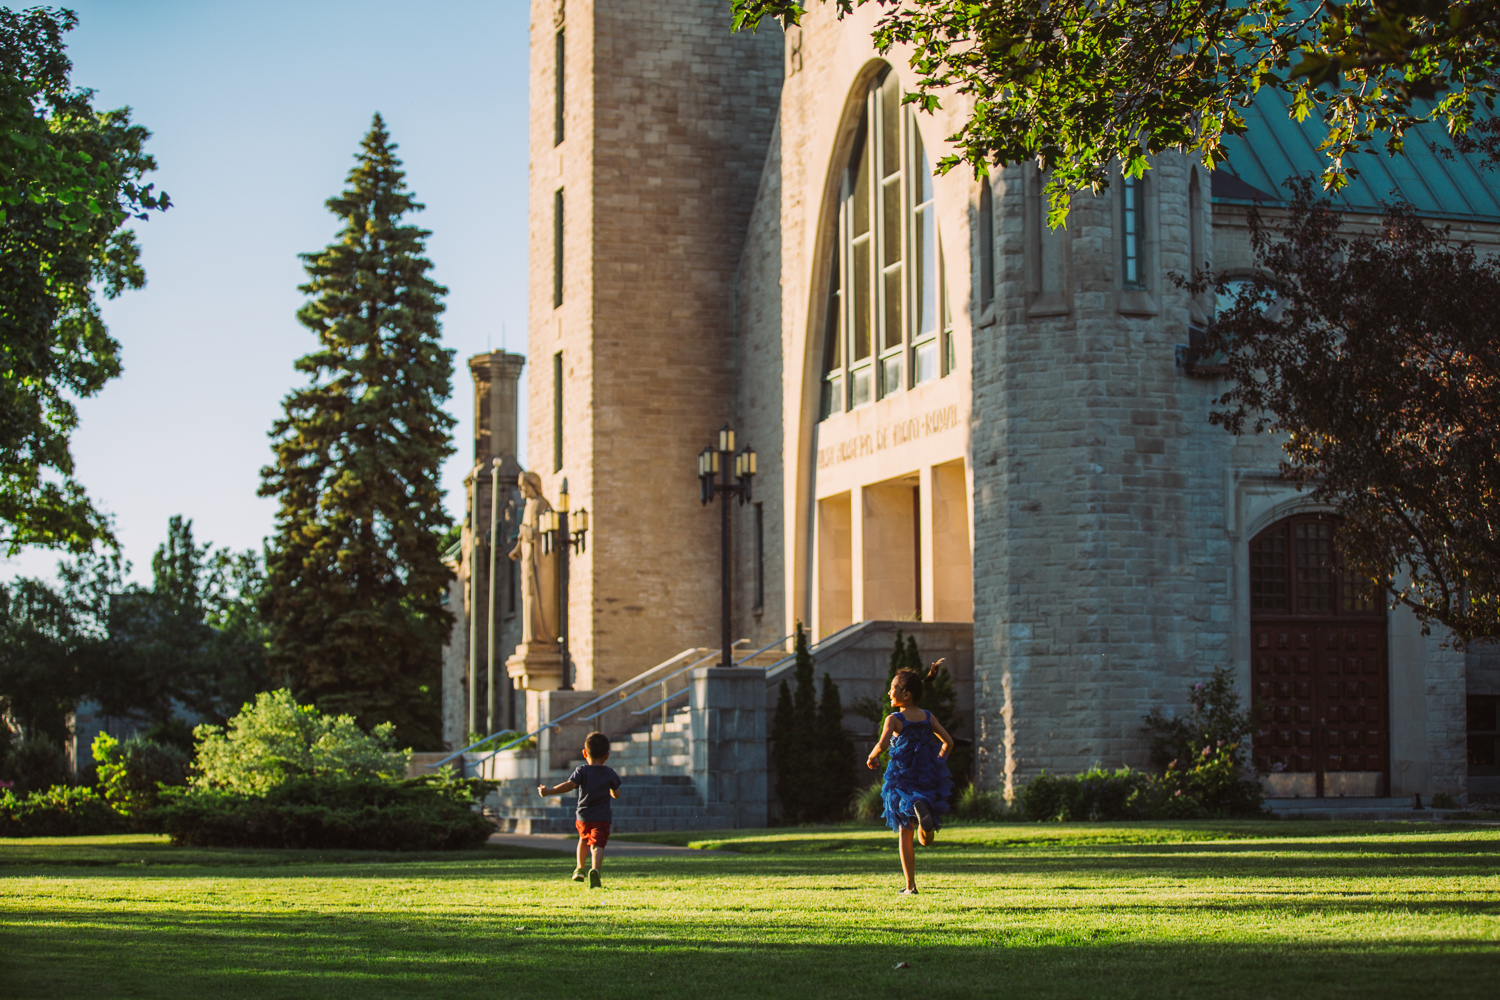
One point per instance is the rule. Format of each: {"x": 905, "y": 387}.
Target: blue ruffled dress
{"x": 915, "y": 772}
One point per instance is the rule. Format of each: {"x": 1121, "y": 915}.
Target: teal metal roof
{"x": 1277, "y": 147}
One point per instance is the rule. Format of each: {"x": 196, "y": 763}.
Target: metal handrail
{"x": 521, "y": 739}
{"x": 662, "y": 702}
{"x": 765, "y": 647}
{"x": 553, "y": 724}
{"x": 821, "y": 642}
{"x": 660, "y": 680}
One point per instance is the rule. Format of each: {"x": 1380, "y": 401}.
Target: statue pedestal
{"x": 536, "y": 666}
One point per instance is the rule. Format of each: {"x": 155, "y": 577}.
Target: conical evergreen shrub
{"x": 813, "y": 755}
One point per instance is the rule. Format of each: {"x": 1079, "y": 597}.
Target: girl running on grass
{"x": 917, "y": 783}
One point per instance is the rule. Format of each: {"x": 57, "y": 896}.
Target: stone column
{"x": 729, "y": 729}
{"x": 495, "y": 375}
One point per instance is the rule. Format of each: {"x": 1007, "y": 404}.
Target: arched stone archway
{"x": 1319, "y": 666}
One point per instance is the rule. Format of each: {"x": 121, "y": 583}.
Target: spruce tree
{"x": 783, "y": 753}
{"x": 354, "y": 574}
{"x": 794, "y": 735}
{"x": 835, "y": 782}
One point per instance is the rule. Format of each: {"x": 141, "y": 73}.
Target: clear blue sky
{"x": 257, "y": 109}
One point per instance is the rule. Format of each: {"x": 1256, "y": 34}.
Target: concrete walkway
{"x": 568, "y": 843}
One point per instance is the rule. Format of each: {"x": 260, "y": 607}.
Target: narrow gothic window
{"x": 887, "y": 319}
{"x": 1134, "y": 217}
{"x": 833, "y": 361}
{"x": 950, "y": 361}
{"x": 557, "y": 248}
{"x": 760, "y": 557}
{"x": 986, "y": 244}
{"x": 1196, "y": 259}
{"x": 559, "y": 78}
{"x": 557, "y": 412}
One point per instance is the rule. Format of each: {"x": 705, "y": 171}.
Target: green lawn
{"x": 1267, "y": 909}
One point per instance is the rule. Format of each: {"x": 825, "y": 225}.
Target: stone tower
{"x": 649, "y": 128}
{"x": 467, "y": 704}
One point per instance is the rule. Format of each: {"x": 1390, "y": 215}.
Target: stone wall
{"x": 670, "y": 117}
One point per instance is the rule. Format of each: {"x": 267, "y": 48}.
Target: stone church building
{"x": 968, "y": 426}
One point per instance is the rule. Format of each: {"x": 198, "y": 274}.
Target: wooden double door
{"x": 1319, "y": 666}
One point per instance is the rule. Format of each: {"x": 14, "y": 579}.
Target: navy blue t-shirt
{"x": 594, "y": 782}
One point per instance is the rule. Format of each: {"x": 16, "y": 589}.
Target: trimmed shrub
{"x": 430, "y": 813}
{"x": 1096, "y": 794}
{"x": 59, "y": 811}
{"x": 1211, "y": 787}
{"x": 131, "y": 773}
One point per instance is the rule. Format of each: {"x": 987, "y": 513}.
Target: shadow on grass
{"x": 153, "y": 853}
{"x": 796, "y": 857}
{"x": 594, "y": 952}
{"x": 1065, "y": 835}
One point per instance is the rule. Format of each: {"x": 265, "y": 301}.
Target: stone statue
{"x": 536, "y": 664}
{"x": 538, "y": 569}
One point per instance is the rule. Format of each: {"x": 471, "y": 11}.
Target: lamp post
{"x": 490, "y": 694}
{"x": 559, "y": 537}
{"x": 475, "y": 544}
{"x": 713, "y": 479}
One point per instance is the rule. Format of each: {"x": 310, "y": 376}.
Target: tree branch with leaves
{"x": 1087, "y": 87}
{"x": 71, "y": 179}
{"x": 1377, "y": 355}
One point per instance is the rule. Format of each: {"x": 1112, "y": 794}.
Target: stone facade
{"x": 1059, "y": 486}
{"x": 668, "y": 116}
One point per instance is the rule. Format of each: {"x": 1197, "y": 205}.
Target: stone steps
{"x": 649, "y": 802}
{"x": 1388, "y": 809}
{"x": 668, "y": 751}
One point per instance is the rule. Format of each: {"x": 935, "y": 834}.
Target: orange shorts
{"x": 593, "y": 834}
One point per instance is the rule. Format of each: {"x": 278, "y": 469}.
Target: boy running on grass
{"x": 592, "y": 780}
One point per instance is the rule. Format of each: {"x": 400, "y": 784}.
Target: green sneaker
{"x": 577, "y": 874}
{"x": 594, "y": 882}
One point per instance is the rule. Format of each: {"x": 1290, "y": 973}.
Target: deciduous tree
{"x": 354, "y": 575}
{"x": 1377, "y": 355}
{"x": 70, "y": 180}
{"x": 193, "y": 640}
{"x": 190, "y": 641}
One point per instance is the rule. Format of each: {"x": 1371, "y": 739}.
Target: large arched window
{"x": 888, "y": 322}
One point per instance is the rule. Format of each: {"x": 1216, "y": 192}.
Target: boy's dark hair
{"x": 597, "y": 744}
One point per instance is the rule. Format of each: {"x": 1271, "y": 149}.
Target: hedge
{"x": 431, "y": 813}
{"x": 59, "y": 811}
